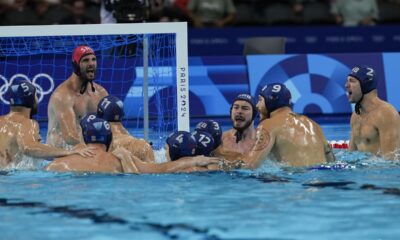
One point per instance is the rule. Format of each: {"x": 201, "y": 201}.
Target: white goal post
{"x": 177, "y": 28}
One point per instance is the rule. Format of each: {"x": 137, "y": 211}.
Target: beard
{"x": 245, "y": 124}
{"x": 85, "y": 82}
{"x": 88, "y": 74}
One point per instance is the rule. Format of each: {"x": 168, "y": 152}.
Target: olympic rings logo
{"x": 39, "y": 90}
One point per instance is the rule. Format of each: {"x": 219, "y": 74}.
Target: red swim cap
{"x": 77, "y": 55}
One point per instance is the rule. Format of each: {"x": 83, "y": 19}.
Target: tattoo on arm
{"x": 263, "y": 139}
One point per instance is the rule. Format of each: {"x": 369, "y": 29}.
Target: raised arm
{"x": 264, "y": 143}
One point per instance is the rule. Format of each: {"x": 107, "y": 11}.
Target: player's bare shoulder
{"x": 386, "y": 112}
{"x": 61, "y": 95}
{"x": 388, "y": 108}
{"x": 101, "y": 90}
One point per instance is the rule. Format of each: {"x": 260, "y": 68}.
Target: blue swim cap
{"x": 276, "y": 95}
{"x": 213, "y": 128}
{"x": 366, "y": 76}
{"x": 21, "y": 93}
{"x": 87, "y": 119}
{"x": 205, "y": 143}
{"x": 181, "y": 144}
{"x": 97, "y": 130}
{"x": 247, "y": 98}
{"x": 111, "y": 108}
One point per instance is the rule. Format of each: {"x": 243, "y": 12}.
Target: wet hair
{"x": 21, "y": 93}
{"x": 111, "y": 109}
{"x": 276, "y": 95}
{"x": 247, "y": 98}
{"x": 213, "y": 128}
{"x": 205, "y": 143}
{"x": 97, "y": 130}
{"x": 181, "y": 144}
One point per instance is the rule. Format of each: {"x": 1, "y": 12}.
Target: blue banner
{"x": 317, "y": 81}
{"x": 326, "y": 39}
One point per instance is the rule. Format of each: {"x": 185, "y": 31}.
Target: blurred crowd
{"x": 202, "y": 13}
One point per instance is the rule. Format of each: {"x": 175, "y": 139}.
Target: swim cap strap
{"x": 357, "y": 108}
{"x": 239, "y": 136}
{"x": 84, "y": 86}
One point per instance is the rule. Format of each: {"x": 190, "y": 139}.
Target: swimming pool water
{"x": 273, "y": 202}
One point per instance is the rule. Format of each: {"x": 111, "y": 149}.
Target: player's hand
{"x": 85, "y": 152}
{"x": 202, "y": 161}
{"x": 122, "y": 154}
{"x": 127, "y": 160}
{"x": 79, "y": 146}
{"x": 230, "y": 165}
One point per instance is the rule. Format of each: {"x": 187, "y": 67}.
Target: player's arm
{"x": 388, "y": 134}
{"x": 127, "y": 160}
{"x": 149, "y": 153}
{"x": 145, "y": 152}
{"x": 132, "y": 164}
{"x": 65, "y": 115}
{"x": 352, "y": 145}
{"x": 264, "y": 143}
{"x": 180, "y": 165}
{"x": 330, "y": 157}
{"x": 27, "y": 139}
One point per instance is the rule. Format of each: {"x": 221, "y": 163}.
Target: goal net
{"x": 144, "y": 64}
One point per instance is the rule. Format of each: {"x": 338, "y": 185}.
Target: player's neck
{"x": 23, "y": 111}
{"x": 99, "y": 147}
{"x": 248, "y": 133}
{"x": 281, "y": 111}
{"x": 75, "y": 82}
{"x": 368, "y": 102}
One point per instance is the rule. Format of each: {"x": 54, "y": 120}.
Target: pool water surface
{"x": 272, "y": 202}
